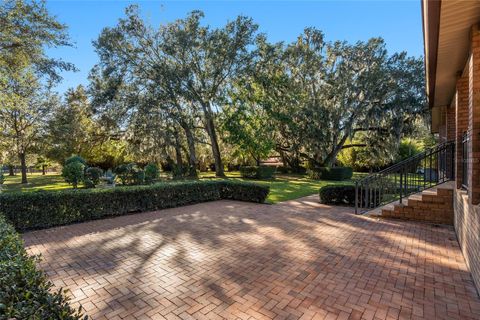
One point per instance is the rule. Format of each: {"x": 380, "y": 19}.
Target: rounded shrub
{"x": 257, "y": 172}
{"x": 328, "y": 173}
{"x": 73, "y": 173}
{"x": 92, "y": 177}
{"x": 337, "y": 195}
{"x": 130, "y": 174}
{"x": 345, "y": 195}
{"x": 75, "y": 158}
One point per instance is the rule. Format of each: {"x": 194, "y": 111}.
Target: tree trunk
{"x": 332, "y": 156}
{"x": 212, "y": 134}
{"x": 43, "y": 169}
{"x": 24, "y": 167}
{"x": 178, "y": 153}
{"x": 192, "y": 156}
{"x": 11, "y": 172}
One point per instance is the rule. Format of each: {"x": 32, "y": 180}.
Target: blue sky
{"x": 398, "y": 22}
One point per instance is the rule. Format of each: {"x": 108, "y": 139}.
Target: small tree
{"x": 73, "y": 173}
{"x": 2, "y": 177}
{"x": 43, "y": 163}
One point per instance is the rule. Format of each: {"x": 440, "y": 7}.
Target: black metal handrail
{"x": 419, "y": 172}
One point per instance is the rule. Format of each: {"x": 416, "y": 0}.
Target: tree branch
{"x": 353, "y": 145}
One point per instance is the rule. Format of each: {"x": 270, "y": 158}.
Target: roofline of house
{"x": 431, "y": 28}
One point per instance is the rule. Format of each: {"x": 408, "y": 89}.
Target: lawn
{"x": 286, "y": 186}
{"x": 36, "y": 181}
{"x": 283, "y": 187}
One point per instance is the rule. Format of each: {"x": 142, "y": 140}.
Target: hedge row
{"x": 37, "y": 210}
{"x": 327, "y": 173}
{"x": 257, "y": 172}
{"x": 25, "y": 291}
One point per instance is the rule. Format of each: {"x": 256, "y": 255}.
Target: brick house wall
{"x": 466, "y": 104}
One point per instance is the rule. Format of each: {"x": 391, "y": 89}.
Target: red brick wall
{"x": 467, "y": 227}
{"x": 474, "y": 119}
{"x": 451, "y": 123}
{"x": 461, "y": 118}
{"x": 466, "y": 208}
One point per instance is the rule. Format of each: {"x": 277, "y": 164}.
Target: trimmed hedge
{"x": 327, "y": 173}
{"x": 345, "y": 195}
{"x": 257, "y": 172}
{"x": 44, "y": 209}
{"x": 25, "y": 291}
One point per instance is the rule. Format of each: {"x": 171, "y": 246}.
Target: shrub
{"x": 248, "y": 172}
{"x": 299, "y": 170}
{"x": 338, "y": 195}
{"x": 130, "y": 174}
{"x": 2, "y": 177}
{"x": 257, "y": 172}
{"x": 26, "y": 292}
{"x": 92, "y": 177}
{"x": 34, "y": 210}
{"x": 233, "y": 167}
{"x": 151, "y": 173}
{"x": 179, "y": 172}
{"x": 75, "y": 159}
{"x": 345, "y": 195}
{"x": 283, "y": 169}
{"x": 73, "y": 173}
{"x": 327, "y": 173}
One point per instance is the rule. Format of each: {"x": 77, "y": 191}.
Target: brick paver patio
{"x": 233, "y": 260}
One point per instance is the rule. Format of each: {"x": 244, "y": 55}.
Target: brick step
{"x": 433, "y": 205}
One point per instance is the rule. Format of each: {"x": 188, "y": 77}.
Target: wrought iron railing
{"x": 419, "y": 172}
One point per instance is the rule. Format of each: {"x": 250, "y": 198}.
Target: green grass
{"x": 282, "y": 188}
{"x": 36, "y": 181}
{"x": 286, "y": 186}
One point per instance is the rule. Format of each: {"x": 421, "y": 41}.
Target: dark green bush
{"x": 151, "y": 173}
{"x": 345, "y": 195}
{"x": 25, "y": 291}
{"x": 233, "y": 167}
{"x": 75, "y": 159}
{"x": 73, "y": 173}
{"x": 327, "y": 173}
{"x": 298, "y": 170}
{"x": 338, "y": 195}
{"x": 36, "y": 210}
{"x": 130, "y": 174}
{"x": 248, "y": 172}
{"x": 92, "y": 177}
{"x": 283, "y": 169}
{"x": 257, "y": 172}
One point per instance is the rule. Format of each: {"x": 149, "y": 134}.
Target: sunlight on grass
{"x": 286, "y": 187}
{"x": 36, "y": 181}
